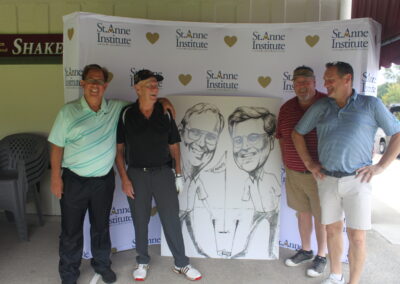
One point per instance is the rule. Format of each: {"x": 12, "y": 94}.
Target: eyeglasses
{"x": 252, "y": 139}
{"x": 95, "y": 82}
{"x": 209, "y": 137}
{"x": 152, "y": 85}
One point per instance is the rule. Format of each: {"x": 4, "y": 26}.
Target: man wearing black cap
{"x": 148, "y": 142}
{"x": 301, "y": 187}
{"x": 82, "y": 176}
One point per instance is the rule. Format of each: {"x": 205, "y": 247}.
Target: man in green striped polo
{"x": 83, "y": 145}
{"x": 83, "y": 149}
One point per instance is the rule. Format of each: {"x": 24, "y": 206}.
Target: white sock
{"x": 337, "y": 277}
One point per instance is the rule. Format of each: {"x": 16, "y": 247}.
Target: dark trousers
{"x": 94, "y": 194}
{"x": 159, "y": 183}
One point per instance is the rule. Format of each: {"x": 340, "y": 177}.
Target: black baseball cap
{"x": 146, "y": 74}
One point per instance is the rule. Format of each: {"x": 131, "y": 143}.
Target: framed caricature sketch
{"x": 231, "y": 164}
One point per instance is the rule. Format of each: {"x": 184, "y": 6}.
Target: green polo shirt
{"x": 88, "y": 137}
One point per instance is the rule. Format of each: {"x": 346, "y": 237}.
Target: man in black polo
{"x": 149, "y": 139}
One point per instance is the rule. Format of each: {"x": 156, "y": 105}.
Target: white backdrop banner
{"x": 212, "y": 59}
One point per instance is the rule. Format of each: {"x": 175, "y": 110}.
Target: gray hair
{"x": 199, "y": 109}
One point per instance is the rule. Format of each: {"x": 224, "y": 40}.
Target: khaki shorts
{"x": 348, "y": 195}
{"x": 302, "y": 193}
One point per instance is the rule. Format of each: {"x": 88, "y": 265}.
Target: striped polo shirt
{"x": 88, "y": 137}
{"x": 289, "y": 115}
{"x": 346, "y": 135}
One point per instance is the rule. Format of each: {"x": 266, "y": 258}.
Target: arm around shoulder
{"x": 167, "y": 106}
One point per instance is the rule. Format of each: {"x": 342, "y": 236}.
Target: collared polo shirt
{"x": 346, "y": 135}
{"x": 147, "y": 140}
{"x": 264, "y": 192}
{"x": 195, "y": 187}
{"x": 88, "y": 137}
{"x": 289, "y": 115}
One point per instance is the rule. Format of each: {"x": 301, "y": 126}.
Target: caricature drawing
{"x": 252, "y": 132}
{"x": 200, "y": 129}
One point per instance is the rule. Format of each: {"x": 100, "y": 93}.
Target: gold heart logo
{"x": 70, "y": 33}
{"x": 230, "y": 40}
{"x": 153, "y": 211}
{"x": 312, "y": 40}
{"x": 264, "y": 81}
{"x": 185, "y": 79}
{"x": 152, "y": 38}
{"x": 110, "y": 76}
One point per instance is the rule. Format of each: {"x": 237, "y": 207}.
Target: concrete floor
{"x": 36, "y": 262}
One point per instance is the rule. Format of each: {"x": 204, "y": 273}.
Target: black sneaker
{"x": 300, "y": 257}
{"x": 318, "y": 266}
{"x": 108, "y": 276}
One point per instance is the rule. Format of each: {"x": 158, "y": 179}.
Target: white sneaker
{"x": 140, "y": 272}
{"x": 189, "y": 271}
{"x": 332, "y": 280}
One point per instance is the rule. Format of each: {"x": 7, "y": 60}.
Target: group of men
{"x": 84, "y": 145}
{"x": 327, "y": 147}
{"x": 326, "y": 143}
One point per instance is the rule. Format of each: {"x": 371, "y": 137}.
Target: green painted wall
{"x": 31, "y": 96}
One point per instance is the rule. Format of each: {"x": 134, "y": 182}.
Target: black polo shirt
{"x": 147, "y": 140}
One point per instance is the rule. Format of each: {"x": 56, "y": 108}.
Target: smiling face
{"x": 94, "y": 86}
{"x": 147, "y": 90}
{"x": 251, "y": 144}
{"x": 336, "y": 85}
{"x": 304, "y": 87}
{"x": 200, "y": 137}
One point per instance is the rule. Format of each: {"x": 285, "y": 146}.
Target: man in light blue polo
{"x": 346, "y": 124}
{"x": 83, "y": 149}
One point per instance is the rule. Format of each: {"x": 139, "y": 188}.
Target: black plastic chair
{"x": 25, "y": 157}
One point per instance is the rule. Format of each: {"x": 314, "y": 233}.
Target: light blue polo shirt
{"x": 88, "y": 137}
{"x": 346, "y": 135}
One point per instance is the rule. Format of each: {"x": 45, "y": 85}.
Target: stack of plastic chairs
{"x": 24, "y": 158}
{"x": 12, "y": 188}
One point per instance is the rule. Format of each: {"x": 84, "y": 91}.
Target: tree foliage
{"x": 392, "y": 74}
{"x": 389, "y": 92}
{"x": 392, "y": 96}
{"x": 382, "y": 90}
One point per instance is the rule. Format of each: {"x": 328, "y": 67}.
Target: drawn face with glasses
{"x": 200, "y": 138}
{"x": 251, "y": 144}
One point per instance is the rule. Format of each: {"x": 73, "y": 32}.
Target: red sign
{"x": 15, "y": 45}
